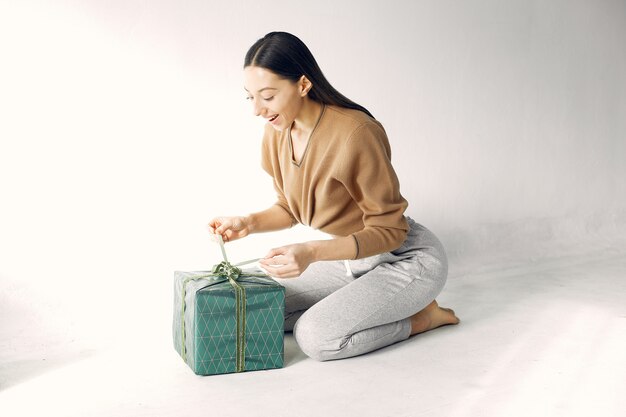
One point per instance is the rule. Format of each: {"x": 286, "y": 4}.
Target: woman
{"x": 375, "y": 282}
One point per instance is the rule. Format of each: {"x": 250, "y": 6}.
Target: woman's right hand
{"x": 230, "y": 228}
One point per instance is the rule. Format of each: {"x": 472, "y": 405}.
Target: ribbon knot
{"x": 227, "y": 270}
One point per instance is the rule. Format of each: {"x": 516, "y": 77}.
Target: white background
{"x": 124, "y": 129}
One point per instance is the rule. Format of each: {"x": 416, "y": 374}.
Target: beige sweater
{"x": 345, "y": 184}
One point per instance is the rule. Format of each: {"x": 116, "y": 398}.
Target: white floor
{"x": 539, "y": 337}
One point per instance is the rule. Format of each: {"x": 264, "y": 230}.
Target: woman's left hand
{"x": 288, "y": 261}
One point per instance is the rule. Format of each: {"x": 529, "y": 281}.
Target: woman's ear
{"x": 305, "y": 86}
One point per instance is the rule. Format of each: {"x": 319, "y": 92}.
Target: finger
{"x": 215, "y": 222}
{"x": 276, "y": 261}
{"x": 275, "y": 252}
{"x": 211, "y": 227}
{"x": 288, "y": 273}
{"x": 281, "y": 271}
{"x": 228, "y": 236}
{"x": 271, "y": 267}
{"x": 223, "y": 227}
{"x": 217, "y": 237}
{"x": 270, "y": 270}
{"x": 270, "y": 254}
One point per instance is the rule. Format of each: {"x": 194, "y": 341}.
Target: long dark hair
{"x": 287, "y": 56}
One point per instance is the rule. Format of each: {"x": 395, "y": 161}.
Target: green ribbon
{"x": 226, "y": 271}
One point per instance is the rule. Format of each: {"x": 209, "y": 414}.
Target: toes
{"x": 451, "y": 317}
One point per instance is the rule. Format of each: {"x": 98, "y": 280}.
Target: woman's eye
{"x": 264, "y": 98}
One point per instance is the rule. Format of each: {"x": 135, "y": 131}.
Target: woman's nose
{"x": 257, "y": 108}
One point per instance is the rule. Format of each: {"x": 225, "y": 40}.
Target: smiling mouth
{"x": 271, "y": 119}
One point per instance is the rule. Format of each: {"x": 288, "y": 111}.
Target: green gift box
{"x": 225, "y": 322}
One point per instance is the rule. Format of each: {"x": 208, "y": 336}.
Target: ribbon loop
{"x": 227, "y": 270}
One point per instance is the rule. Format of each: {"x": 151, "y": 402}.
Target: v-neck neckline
{"x": 308, "y": 141}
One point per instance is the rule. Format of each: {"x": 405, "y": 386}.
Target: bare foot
{"x": 431, "y": 317}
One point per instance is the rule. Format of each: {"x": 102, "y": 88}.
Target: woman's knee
{"x": 313, "y": 340}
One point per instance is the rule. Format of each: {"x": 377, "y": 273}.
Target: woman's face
{"x": 276, "y": 99}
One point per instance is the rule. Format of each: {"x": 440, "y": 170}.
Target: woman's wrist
{"x": 250, "y": 222}
{"x": 336, "y": 249}
{"x": 313, "y": 247}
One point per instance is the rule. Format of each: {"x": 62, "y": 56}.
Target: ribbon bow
{"x": 227, "y": 270}
{"x": 232, "y": 273}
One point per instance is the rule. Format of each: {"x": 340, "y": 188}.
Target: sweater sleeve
{"x": 269, "y": 163}
{"x": 369, "y": 177}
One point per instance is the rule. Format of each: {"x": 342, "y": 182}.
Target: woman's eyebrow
{"x": 263, "y": 89}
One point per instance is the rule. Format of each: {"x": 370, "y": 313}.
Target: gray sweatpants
{"x": 339, "y": 309}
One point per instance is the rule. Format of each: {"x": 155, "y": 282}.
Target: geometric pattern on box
{"x": 210, "y": 339}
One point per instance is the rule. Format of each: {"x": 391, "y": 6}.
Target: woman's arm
{"x": 237, "y": 227}
{"x": 270, "y": 220}
{"x": 369, "y": 177}
{"x": 290, "y": 261}
{"x": 336, "y": 249}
